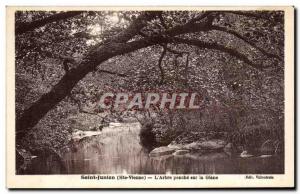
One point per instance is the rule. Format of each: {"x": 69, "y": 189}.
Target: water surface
{"x": 118, "y": 151}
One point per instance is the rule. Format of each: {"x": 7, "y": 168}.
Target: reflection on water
{"x": 117, "y": 151}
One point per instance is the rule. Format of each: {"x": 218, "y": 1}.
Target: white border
{"x": 60, "y": 181}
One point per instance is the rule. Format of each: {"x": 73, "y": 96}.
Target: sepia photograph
{"x": 165, "y": 92}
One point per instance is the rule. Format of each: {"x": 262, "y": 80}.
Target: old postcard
{"x": 150, "y": 97}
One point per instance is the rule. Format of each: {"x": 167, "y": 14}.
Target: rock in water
{"x": 245, "y": 154}
{"x": 192, "y": 146}
{"x": 213, "y": 144}
{"x": 175, "y": 146}
{"x": 161, "y": 151}
{"x": 180, "y": 152}
{"x": 210, "y": 145}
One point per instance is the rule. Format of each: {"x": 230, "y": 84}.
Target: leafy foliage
{"x": 236, "y": 96}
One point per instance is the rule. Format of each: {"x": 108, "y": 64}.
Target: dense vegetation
{"x": 66, "y": 60}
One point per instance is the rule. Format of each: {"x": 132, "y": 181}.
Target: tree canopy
{"x": 235, "y": 58}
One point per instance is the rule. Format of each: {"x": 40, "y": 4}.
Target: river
{"x": 117, "y": 151}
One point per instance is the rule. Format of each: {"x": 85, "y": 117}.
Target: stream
{"x": 117, "y": 151}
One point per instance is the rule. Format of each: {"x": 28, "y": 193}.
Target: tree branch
{"x": 187, "y": 67}
{"x": 189, "y": 28}
{"x": 98, "y": 54}
{"x": 29, "y": 26}
{"x": 236, "y": 34}
{"x": 162, "y": 21}
{"x": 162, "y": 74}
{"x": 116, "y": 45}
{"x": 219, "y": 47}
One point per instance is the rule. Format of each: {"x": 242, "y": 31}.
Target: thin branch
{"x": 187, "y": 68}
{"x": 162, "y": 74}
{"x": 29, "y": 26}
{"x": 187, "y": 60}
{"x": 236, "y": 34}
{"x": 222, "y": 48}
{"x": 162, "y": 21}
{"x": 180, "y": 54}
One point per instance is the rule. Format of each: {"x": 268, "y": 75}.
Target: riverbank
{"x": 117, "y": 150}
{"x": 216, "y": 147}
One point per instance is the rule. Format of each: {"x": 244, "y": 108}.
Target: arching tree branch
{"x": 115, "y": 46}
{"x": 189, "y": 28}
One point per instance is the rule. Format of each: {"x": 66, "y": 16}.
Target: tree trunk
{"x": 116, "y": 45}
{"x": 48, "y": 101}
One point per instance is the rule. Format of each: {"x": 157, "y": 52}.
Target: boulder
{"x": 192, "y": 146}
{"x": 161, "y": 151}
{"x": 213, "y": 144}
{"x": 180, "y": 152}
{"x": 175, "y": 146}
{"x": 209, "y": 145}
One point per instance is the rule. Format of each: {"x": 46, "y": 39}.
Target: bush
{"x": 147, "y": 136}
